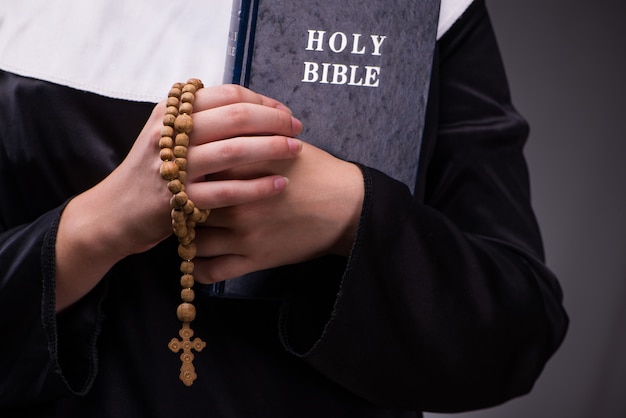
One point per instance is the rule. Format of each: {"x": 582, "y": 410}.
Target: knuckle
{"x": 159, "y": 109}
{"x": 228, "y": 150}
{"x": 225, "y": 195}
{"x": 232, "y": 93}
{"x": 238, "y": 113}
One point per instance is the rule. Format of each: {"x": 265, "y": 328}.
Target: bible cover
{"x": 356, "y": 73}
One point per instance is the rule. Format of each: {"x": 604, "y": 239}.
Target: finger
{"x": 216, "y": 241}
{"x": 224, "y": 267}
{"x": 219, "y": 194}
{"x": 241, "y": 119}
{"x": 217, "y": 96}
{"x": 217, "y": 156}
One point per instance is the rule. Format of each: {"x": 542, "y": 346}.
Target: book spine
{"x": 238, "y": 60}
{"x": 238, "y": 36}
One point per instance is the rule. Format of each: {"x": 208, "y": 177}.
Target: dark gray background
{"x": 566, "y": 66}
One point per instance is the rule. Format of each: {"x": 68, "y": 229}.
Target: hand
{"x": 128, "y": 212}
{"x": 317, "y": 214}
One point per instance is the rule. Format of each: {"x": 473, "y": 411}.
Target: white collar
{"x": 129, "y": 57}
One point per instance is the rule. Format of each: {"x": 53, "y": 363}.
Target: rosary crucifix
{"x": 187, "y": 370}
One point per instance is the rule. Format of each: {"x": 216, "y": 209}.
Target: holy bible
{"x": 356, "y": 73}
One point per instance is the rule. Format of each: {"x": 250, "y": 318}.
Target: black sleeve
{"x": 55, "y": 142}
{"x": 38, "y": 162}
{"x": 445, "y": 303}
{"x": 29, "y": 328}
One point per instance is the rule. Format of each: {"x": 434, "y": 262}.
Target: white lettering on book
{"x": 338, "y": 73}
{"x": 231, "y": 49}
{"x": 352, "y": 75}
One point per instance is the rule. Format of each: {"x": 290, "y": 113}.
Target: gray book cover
{"x": 355, "y": 72}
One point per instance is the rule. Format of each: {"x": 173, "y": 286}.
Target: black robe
{"x": 444, "y": 304}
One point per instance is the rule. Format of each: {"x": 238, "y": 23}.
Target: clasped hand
{"x": 275, "y": 200}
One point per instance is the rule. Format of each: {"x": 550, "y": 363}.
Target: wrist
{"x": 352, "y": 205}
{"x": 87, "y": 246}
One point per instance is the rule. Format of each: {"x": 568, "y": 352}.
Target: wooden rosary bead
{"x": 190, "y": 88}
{"x": 169, "y": 170}
{"x": 180, "y": 151}
{"x": 186, "y": 267}
{"x": 182, "y": 139}
{"x": 187, "y": 252}
{"x": 180, "y": 229}
{"x": 175, "y": 92}
{"x": 172, "y": 101}
{"x": 180, "y": 198}
{"x": 188, "y": 207}
{"x": 177, "y": 221}
{"x": 195, "y": 216}
{"x": 188, "y": 96}
{"x": 175, "y": 186}
{"x": 175, "y": 205}
{"x": 186, "y": 312}
{"x": 182, "y": 233}
{"x": 183, "y": 123}
{"x": 186, "y": 281}
{"x": 167, "y": 154}
{"x": 196, "y": 83}
{"x": 181, "y": 163}
{"x": 177, "y": 215}
{"x": 187, "y": 295}
{"x": 171, "y": 110}
{"x": 166, "y": 142}
{"x": 168, "y": 130}
{"x": 187, "y": 238}
{"x": 168, "y": 120}
{"x": 204, "y": 215}
{"x": 186, "y": 108}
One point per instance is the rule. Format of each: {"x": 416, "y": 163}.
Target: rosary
{"x": 177, "y": 124}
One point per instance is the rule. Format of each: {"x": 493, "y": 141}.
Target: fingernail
{"x": 280, "y": 183}
{"x": 296, "y": 125}
{"x": 294, "y": 145}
